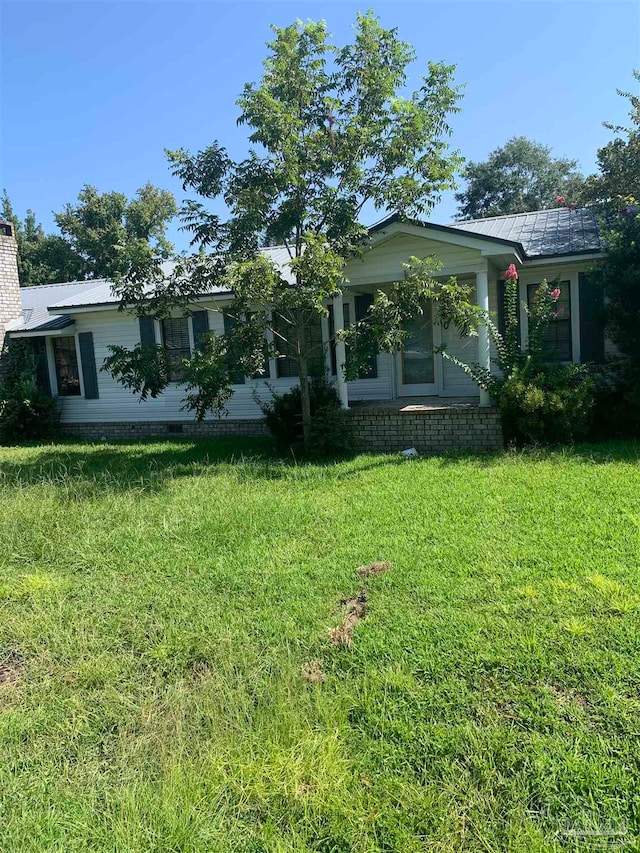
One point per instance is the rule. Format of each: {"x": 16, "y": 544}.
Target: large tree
{"x": 110, "y": 232}
{"x": 615, "y": 193}
{"x": 519, "y": 177}
{"x": 330, "y": 131}
{"x": 42, "y": 258}
{"x": 618, "y": 182}
{"x": 102, "y": 234}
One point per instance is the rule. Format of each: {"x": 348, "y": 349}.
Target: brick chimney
{"x": 10, "y": 300}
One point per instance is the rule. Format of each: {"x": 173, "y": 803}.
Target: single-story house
{"x": 72, "y": 324}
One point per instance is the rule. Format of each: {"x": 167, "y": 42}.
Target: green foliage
{"x": 208, "y": 377}
{"x": 330, "y": 427}
{"x": 144, "y": 369}
{"x": 381, "y": 328}
{"x": 546, "y": 406}
{"x": 520, "y": 176}
{"x": 331, "y": 130}
{"x": 103, "y": 236}
{"x": 42, "y": 258}
{"x": 618, "y": 183}
{"x": 25, "y": 412}
{"x": 619, "y": 276}
{"x": 540, "y": 402}
{"x": 617, "y": 399}
{"x": 111, "y": 234}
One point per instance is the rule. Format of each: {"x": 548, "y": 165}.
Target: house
{"x": 73, "y": 324}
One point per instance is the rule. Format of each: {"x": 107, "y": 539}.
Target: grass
{"x": 160, "y": 602}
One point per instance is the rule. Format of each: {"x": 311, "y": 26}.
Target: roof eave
{"x": 448, "y": 229}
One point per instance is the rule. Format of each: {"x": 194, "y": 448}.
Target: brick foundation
{"x": 164, "y": 429}
{"x": 435, "y": 430}
{"x": 377, "y": 430}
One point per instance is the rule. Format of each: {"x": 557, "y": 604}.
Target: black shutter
{"x": 591, "y": 304}
{"x": 88, "y": 362}
{"x": 147, "y": 330}
{"x": 200, "y": 321}
{"x": 362, "y": 303}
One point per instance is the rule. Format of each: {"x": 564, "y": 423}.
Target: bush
{"x": 330, "y": 429}
{"x": 553, "y": 406}
{"x": 617, "y": 400}
{"x": 25, "y": 412}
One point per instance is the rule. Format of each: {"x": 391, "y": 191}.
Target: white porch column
{"x": 341, "y": 357}
{"x": 484, "y": 354}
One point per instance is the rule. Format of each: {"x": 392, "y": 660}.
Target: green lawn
{"x": 160, "y": 602}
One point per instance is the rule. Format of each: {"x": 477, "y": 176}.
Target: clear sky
{"x": 93, "y": 92}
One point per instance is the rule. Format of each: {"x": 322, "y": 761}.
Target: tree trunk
{"x": 305, "y": 399}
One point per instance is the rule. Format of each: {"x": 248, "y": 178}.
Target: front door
{"x": 416, "y": 361}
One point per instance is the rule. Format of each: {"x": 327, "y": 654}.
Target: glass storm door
{"x": 416, "y": 361}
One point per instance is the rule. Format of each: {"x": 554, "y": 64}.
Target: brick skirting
{"x": 430, "y": 430}
{"x": 162, "y": 429}
{"x": 379, "y": 430}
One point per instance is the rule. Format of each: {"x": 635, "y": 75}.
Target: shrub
{"x": 25, "y": 412}
{"x": 330, "y": 429}
{"x": 552, "y": 406}
{"x": 617, "y": 400}
{"x": 540, "y": 402}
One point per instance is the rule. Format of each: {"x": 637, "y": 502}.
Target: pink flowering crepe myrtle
{"x": 510, "y": 273}
{"x": 555, "y": 295}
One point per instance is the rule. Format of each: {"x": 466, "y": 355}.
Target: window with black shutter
{"x": 287, "y": 363}
{"x": 65, "y": 359}
{"x": 176, "y": 343}
{"x": 557, "y": 343}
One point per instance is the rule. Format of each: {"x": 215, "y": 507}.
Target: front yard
{"x": 168, "y": 681}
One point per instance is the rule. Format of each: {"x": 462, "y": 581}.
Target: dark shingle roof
{"x": 543, "y": 232}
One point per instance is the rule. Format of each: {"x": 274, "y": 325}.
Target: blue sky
{"x": 93, "y": 92}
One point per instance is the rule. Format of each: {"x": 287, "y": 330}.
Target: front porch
{"x": 432, "y": 425}
{"x": 419, "y": 404}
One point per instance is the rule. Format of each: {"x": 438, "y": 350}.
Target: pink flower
{"x": 555, "y": 294}
{"x": 554, "y": 314}
{"x": 510, "y": 273}
{"x": 560, "y": 199}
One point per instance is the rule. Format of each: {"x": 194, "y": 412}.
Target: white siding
{"x": 384, "y": 263}
{"x": 379, "y": 266}
{"x": 455, "y": 382}
{"x": 116, "y": 403}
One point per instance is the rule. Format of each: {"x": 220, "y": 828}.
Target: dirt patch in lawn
{"x": 356, "y": 609}
{"x": 10, "y": 669}
{"x": 376, "y": 568}
{"x": 567, "y": 698}
{"x": 312, "y": 672}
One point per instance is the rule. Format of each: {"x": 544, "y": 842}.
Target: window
{"x": 175, "y": 340}
{"x": 237, "y": 377}
{"x": 557, "y": 344}
{"x": 287, "y": 364}
{"x": 65, "y": 359}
